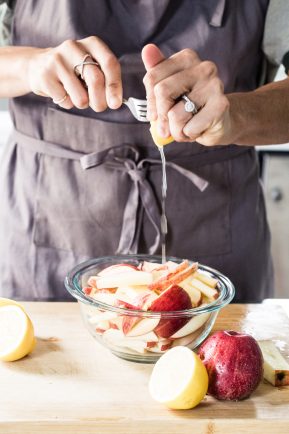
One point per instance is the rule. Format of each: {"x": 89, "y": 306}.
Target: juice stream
{"x": 164, "y": 226}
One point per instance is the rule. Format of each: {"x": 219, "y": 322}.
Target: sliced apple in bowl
{"x": 173, "y": 299}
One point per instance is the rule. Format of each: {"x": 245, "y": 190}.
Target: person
{"x": 81, "y": 178}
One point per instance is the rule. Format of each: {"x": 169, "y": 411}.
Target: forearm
{"x": 14, "y": 64}
{"x": 261, "y": 116}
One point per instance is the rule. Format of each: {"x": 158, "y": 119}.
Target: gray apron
{"x": 78, "y": 184}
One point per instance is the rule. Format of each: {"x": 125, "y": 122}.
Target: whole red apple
{"x": 234, "y": 363}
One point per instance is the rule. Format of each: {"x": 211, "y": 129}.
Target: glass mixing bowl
{"x": 104, "y": 321}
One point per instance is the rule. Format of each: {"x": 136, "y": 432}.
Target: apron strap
{"x": 141, "y": 197}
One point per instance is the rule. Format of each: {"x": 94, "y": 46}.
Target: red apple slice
{"x": 152, "y": 266}
{"x": 174, "y": 298}
{"x": 128, "y": 278}
{"x": 102, "y": 325}
{"x": 192, "y": 325}
{"x": 134, "y": 296}
{"x": 129, "y": 322}
{"x": 161, "y": 346}
{"x": 178, "y": 275}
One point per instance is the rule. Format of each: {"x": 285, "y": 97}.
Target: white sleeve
{"x": 276, "y": 34}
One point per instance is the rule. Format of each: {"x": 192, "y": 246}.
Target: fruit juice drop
{"x": 164, "y": 226}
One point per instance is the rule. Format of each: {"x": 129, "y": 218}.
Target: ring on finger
{"x": 82, "y": 64}
{"x": 190, "y": 106}
{"x": 59, "y": 101}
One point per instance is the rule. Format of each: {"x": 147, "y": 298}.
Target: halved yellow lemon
{"x": 179, "y": 379}
{"x": 159, "y": 140}
{"x": 16, "y": 331}
{"x": 7, "y": 301}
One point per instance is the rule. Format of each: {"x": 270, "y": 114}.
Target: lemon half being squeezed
{"x": 159, "y": 140}
{"x": 16, "y": 331}
{"x": 179, "y": 379}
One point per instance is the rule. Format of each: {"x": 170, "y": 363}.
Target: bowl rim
{"x": 227, "y": 289}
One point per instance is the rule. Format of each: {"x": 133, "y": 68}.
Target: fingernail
{"x": 162, "y": 130}
{"x": 114, "y": 102}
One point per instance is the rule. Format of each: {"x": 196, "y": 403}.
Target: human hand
{"x": 185, "y": 74}
{"x": 50, "y": 73}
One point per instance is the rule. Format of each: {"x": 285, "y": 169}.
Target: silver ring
{"x": 82, "y": 64}
{"x": 190, "y": 106}
{"x": 59, "y": 101}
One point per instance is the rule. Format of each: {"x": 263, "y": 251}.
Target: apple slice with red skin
{"x": 134, "y": 297}
{"x": 174, "y": 298}
{"x": 234, "y": 363}
{"x": 113, "y": 269}
{"x": 133, "y": 325}
{"x": 152, "y": 266}
{"x": 129, "y": 322}
{"x": 177, "y": 276}
{"x": 87, "y": 290}
{"x": 159, "y": 347}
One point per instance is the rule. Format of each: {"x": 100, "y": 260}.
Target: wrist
{"x": 33, "y": 61}
{"x": 237, "y": 118}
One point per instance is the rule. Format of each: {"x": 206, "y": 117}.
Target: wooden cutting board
{"x": 71, "y": 384}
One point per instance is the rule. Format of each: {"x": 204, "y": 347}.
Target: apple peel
{"x": 178, "y": 275}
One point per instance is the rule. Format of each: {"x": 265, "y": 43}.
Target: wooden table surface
{"x": 71, "y": 384}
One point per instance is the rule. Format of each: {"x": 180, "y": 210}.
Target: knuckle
{"x": 207, "y": 140}
{"x": 81, "y": 101}
{"x": 217, "y": 85}
{"x": 172, "y": 115}
{"x": 176, "y": 127}
{"x": 224, "y": 104}
{"x": 113, "y": 86}
{"x": 163, "y": 117}
{"x": 96, "y": 80}
{"x": 190, "y": 134}
{"x": 179, "y": 136}
{"x": 67, "y": 45}
{"x": 188, "y": 57}
{"x": 53, "y": 59}
{"x": 90, "y": 39}
{"x": 209, "y": 68}
{"x": 149, "y": 79}
{"x": 161, "y": 90}
{"x": 187, "y": 53}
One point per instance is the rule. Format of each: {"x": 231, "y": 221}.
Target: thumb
{"x": 151, "y": 56}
